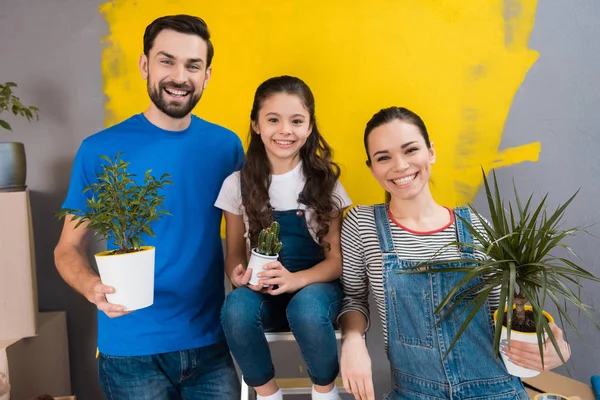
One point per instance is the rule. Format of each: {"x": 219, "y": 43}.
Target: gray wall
{"x": 52, "y": 50}
{"x": 558, "y": 105}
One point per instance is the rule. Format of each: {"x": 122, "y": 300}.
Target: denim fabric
{"x": 310, "y": 313}
{"x": 418, "y": 340}
{"x": 299, "y": 251}
{"x": 201, "y": 373}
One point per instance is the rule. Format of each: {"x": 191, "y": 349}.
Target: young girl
{"x": 378, "y": 242}
{"x": 288, "y": 177}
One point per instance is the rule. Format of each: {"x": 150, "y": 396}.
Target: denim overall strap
{"x": 299, "y": 250}
{"x": 462, "y": 232}
{"x": 384, "y": 233}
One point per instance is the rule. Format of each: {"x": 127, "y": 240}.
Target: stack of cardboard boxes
{"x": 34, "y": 352}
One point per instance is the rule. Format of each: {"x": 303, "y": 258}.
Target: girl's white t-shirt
{"x": 283, "y": 195}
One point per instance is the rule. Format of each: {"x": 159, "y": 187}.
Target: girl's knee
{"x": 241, "y": 307}
{"x": 310, "y": 303}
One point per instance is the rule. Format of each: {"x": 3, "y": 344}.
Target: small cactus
{"x": 268, "y": 240}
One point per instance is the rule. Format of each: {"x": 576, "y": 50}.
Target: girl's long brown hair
{"x": 320, "y": 171}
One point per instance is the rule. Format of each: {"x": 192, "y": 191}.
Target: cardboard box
{"x": 40, "y": 365}
{"x": 18, "y": 287}
{"x": 551, "y": 382}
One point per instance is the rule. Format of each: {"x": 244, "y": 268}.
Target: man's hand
{"x": 99, "y": 299}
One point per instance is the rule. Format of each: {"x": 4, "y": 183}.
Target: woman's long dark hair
{"x": 320, "y": 171}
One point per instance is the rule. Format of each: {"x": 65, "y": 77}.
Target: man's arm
{"x": 70, "y": 257}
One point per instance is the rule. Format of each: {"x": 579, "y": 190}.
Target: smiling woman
{"x": 399, "y": 152}
{"x": 379, "y": 244}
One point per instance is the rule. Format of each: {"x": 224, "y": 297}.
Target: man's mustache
{"x": 179, "y": 86}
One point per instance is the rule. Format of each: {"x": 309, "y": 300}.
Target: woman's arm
{"x": 355, "y": 362}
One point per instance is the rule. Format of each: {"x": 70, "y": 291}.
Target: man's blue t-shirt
{"x": 189, "y": 288}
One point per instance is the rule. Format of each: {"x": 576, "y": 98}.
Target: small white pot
{"x": 527, "y": 337}
{"x": 132, "y": 276}
{"x": 257, "y": 263}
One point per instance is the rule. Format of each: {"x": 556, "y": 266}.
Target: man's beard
{"x": 172, "y": 109}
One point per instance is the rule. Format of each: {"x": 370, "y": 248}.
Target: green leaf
{"x": 5, "y": 125}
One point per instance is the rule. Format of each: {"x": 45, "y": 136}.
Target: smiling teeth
{"x": 284, "y": 142}
{"x": 176, "y": 92}
{"x": 404, "y": 181}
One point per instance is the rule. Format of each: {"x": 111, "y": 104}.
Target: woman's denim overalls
{"x": 416, "y": 345}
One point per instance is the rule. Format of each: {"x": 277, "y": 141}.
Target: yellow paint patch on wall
{"x": 458, "y": 64}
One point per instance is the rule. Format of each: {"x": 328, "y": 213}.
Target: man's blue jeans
{"x": 201, "y": 373}
{"x": 309, "y": 313}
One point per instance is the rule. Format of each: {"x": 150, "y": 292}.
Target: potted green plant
{"x": 267, "y": 250}
{"x": 521, "y": 244}
{"x": 122, "y": 212}
{"x": 13, "y": 163}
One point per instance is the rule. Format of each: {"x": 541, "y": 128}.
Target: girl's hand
{"x": 240, "y": 276}
{"x": 527, "y": 355}
{"x": 355, "y": 367}
{"x": 275, "y": 274}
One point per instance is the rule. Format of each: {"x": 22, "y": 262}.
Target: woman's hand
{"x": 527, "y": 355}
{"x": 355, "y": 367}
{"x": 275, "y": 274}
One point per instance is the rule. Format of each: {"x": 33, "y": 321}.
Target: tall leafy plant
{"x": 119, "y": 210}
{"x": 11, "y": 103}
{"x": 520, "y": 244}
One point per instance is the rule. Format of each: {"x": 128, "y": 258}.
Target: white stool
{"x": 290, "y": 385}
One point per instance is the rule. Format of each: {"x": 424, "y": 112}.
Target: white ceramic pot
{"x": 132, "y": 276}
{"x": 527, "y": 337}
{"x": 257, "y": 263}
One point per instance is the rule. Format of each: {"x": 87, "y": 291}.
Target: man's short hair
{"x": 181, "y": 23}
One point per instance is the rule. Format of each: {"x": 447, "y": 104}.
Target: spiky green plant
{"x": 519, "y": 243}
{"x": 119, "y": 210}
{"x": 268, "y": 240}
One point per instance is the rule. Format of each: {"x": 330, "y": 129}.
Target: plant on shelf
{"x": 11, "y": 103}
{"x": 13, "y": 160}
